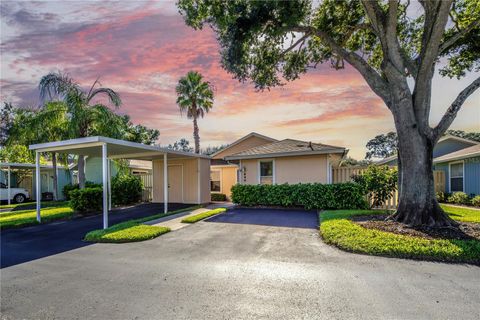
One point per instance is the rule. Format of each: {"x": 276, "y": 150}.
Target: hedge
{"x": 126, "y": 189}
{"x": 218, "y": 197}
{"x": 310, "y": 196}
{"x": 69, "y": 187}
{"x": 87, "y": 199}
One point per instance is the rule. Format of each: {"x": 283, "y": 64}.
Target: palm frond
{"x": 113, "y": 96}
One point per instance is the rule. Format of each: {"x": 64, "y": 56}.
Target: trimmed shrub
{"x": 379, "y": 181}
{"x": 69, "y": 187}
{"x": 218, "y": 197}
{"x": 86, "y": 200}
{"x": 476, "y": 201}
{"x": 442, "y": 196}
{"x": 459, "y": 198}
{"x": 126, "y": 189}
{"x": 310, "y": 195}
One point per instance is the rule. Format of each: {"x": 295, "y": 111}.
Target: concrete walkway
{"x": 174, "y": 222}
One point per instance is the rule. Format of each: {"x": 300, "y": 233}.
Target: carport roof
{"x": 116, "y": 149}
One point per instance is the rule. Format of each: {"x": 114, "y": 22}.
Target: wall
{"x": 228, "y": 178}
{"x": 190, "y": 179}
{"x": 248, "y": 143}
{"x": 299, "y": 169}
{"x": 93, "y": 169}
{"x": 472, "y": 175}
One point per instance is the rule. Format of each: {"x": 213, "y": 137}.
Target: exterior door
{"x": 175, "y": 184}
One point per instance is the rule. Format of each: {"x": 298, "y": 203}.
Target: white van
{"x": 18, "y": 195}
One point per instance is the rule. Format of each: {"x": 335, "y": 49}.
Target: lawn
{"x": 21, "y": 218}
{"x": 462, "y": 214}
{"x": 132, "y": 230}
{"x": 338, "y": 230}
{"x": 203, "y": 215}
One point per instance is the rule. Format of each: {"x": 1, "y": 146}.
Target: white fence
{"x": 147, "y": 181}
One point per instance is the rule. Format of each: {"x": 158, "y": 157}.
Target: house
{"x": 224, "y": 174}
{"x": 23, "y": 176}
{"x": 257, "y": 159}
{"x": 445, "y": 145}
{"x": 461, "y": 169}
{"x": 93, "y": 168}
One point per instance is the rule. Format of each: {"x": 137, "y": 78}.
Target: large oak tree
{"x": 395, "y": 45}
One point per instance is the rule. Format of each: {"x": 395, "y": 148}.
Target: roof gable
{"x": 251, "y": 140}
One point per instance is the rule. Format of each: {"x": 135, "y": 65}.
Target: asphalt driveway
{"x": 235, "y": 271}
{"x": 30, "y": 243}
{"x": 270, "y": 217}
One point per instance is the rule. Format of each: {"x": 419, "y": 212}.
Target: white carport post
{"x": 165, "y": 183}
{"x": 38, "y": 185}
{"x": 9, "y": 195}
{"x": 105, "y": 185}
{"x": 109, "y": 184}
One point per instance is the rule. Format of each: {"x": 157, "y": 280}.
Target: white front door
{"x": 175, "y": 183}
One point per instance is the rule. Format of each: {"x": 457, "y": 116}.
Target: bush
{"x": 86, "y": 200}
{"x": 379, "y": 181}
{"x": 476, "y": 201}
{"x": 459, "y": 198}
{"x": 442, "y": 196}
{"x": 310, "y": 196}
{"x": 218, "y": 197}
{"x": 126, "y": 189}
{"x": 69, "y": 187}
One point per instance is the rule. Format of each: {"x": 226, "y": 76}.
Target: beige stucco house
{"x": 258, "y": 159}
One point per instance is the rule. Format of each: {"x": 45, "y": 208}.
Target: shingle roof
{"x": 460, "y": 154}
{"x": 286, "y": 147}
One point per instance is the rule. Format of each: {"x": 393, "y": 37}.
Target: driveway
{"x": 30, "y": 243}
{"x": 235, "y": 271}
{"x": 270, "y": 217}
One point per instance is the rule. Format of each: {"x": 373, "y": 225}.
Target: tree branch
{"x": 303, "y": 38}
{"x": 457, "y": 36}
{"x": 452, "y": 111}
{"x": 374, "y": 80}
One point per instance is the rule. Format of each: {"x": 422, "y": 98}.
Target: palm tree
{"x": 84, "y": 119}
{"x": 195, "y": 97}
{"x": 51, "y": 124}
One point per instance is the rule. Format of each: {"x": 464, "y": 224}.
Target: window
{"x": 215, "y": 181}
{"x": 266, "y": 172}
{"x": 456, "y": 177}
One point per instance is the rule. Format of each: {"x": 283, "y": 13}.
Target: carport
{"x": 192, "y": 180}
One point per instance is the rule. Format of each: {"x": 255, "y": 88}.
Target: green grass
{"x": 201, "y": 216}
{"x": 336, "y": 229}
{"x": 130, "y": 231}
{"x": 22, "y": 218}
{"x": 43, "y": 204}
{"x": 462, "y": 214}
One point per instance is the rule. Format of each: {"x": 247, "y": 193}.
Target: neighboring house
{"x": 26, "y": 180}
{"x": 462, "y": 170}
{"x": 258, "y": 159}
{"x": 93, "y": 168}
{"x": 445, "y": 145}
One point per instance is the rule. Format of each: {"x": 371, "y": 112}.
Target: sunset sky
{"x": 141, "y": 49}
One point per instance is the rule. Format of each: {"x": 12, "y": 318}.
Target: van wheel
{"x": 19, "y": 198}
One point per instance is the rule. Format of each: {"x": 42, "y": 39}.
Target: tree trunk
{"x": 417, "y": 201}
{"x": 196, "y": 136}
{"x": 81, "y": 171}
{"x": 55, "y": 176}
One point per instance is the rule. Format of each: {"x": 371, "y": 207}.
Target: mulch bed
{"x": 465, "y": 230}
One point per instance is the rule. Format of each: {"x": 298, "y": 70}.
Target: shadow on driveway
{"x": 270, "y": 217}
{"x": 35, "y": 242}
